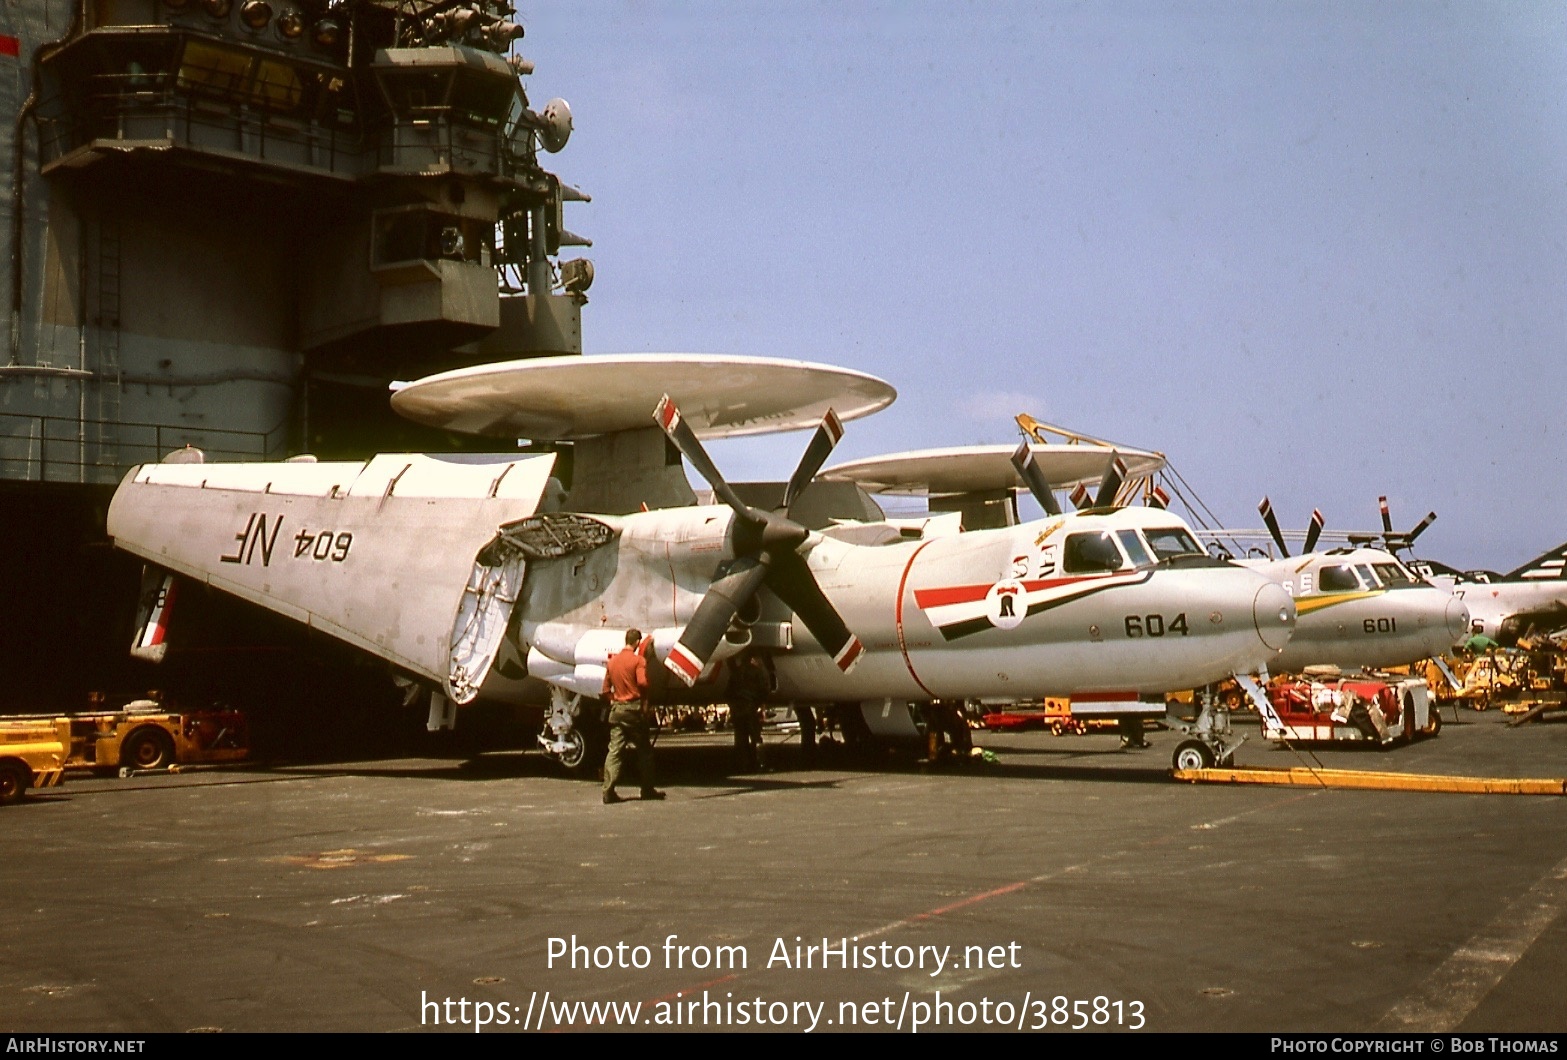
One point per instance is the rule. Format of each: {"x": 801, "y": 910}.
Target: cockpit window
{"x": 1336, "y": 580}
{"x": 1367, "y": 579}
{"x": 1134, "y": 548}
{"x": 1089, "y": 553}
{"x": 1172, "y": 541}
{"x": 1394, "y": 574}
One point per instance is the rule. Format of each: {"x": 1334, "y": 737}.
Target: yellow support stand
{"x": 1371, "y": 781}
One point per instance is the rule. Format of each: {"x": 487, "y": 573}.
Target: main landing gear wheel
{"x": 576, "y": 751}
{"x": 588, "y": 741}
{"x": 147, "y": 749}
{"x": 1193, "y": 754}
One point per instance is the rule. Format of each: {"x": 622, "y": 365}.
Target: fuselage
{"x": 1116, "y": 601}
{"x": 1362, "y": 608}
{"x": 1507, "y": 609}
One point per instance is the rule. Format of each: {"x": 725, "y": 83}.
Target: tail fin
{"x": 1552, "y": 564}
{"x": 158, "y": 589}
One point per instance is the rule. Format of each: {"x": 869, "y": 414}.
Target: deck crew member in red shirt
{"x": 630, "y": 727}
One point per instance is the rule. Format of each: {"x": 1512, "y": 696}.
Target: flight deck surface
{"x": 349, "y": 897}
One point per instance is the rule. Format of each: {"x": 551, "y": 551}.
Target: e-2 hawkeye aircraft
{"x": 1358, "y": 607}
{"x": 466, "y": 576}
{"x": 1504, "y": 607}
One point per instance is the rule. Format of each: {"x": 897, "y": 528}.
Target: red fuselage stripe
{"x": 967, "y": 594}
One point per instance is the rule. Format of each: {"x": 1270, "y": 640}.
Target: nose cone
{"x": 1274, "y": 614}
{"x": 1457, "y": 620}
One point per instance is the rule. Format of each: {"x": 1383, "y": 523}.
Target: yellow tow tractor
{"x": 143, "y": 735}
{"x": 32, "y": 755}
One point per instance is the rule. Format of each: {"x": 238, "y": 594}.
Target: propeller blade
{"x": 1420, "y": 528}
{"x": 1110, "y": 485}
{"x": 668, "y": 417}
{"x": 822, "y": 444}
{"x": 1314, "y": 531}
{"x": 1387, "y": 516}
{"x": 791, "y": 579}
{"x": 1034, "y": 477}
{"x": 1159, "y": 499}
{"x": 729, "y": 592}
{"x": 1265, "y": 509}
{"x": 1081, "y": 498}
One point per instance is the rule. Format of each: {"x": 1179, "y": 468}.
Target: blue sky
{"x": 1312, "y": 250}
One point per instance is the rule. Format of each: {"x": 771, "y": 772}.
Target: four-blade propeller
{"x": 766, "y": 548}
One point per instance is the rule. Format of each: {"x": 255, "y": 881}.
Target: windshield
{"x": 1394, "y": 574}
{"x": 1172, "y": 541}
{"x": 1134, "y": 548}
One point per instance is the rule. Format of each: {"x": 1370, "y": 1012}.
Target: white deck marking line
{"x": 1462, "y": 981}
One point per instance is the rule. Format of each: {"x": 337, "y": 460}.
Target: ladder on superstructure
{"x": 108, "y": 326}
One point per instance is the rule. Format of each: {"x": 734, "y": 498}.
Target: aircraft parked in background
{"x": 1358, "y": 607}
{"x": 1531, "y": 600}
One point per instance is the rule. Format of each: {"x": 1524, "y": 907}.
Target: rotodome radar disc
{"x": 559, "y": 398}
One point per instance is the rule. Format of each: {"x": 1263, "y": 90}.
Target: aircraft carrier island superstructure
{"x": 232, "y": 224}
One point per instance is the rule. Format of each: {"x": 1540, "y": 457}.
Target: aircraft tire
{"x": 572, "y": 758}
{"x": 589, "y": 738}
{"x": 1192, "y": 754}
{"x": 15, "y": 778}
{"x": 147, "y": 748}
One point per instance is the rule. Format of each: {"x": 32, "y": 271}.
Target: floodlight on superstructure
{"x": 255, "y": 14}
{"x": 326, "y": 33}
